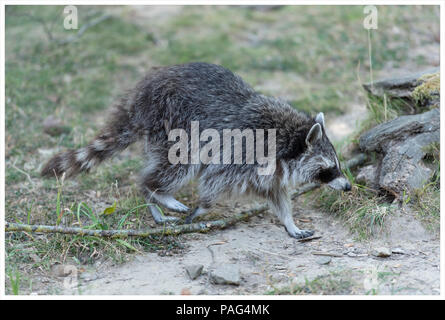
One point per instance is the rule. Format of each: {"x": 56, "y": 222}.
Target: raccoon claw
{"x": 301, "y": 234}
{"x": 306, "y": 233}
{"x": 177, "y": 207}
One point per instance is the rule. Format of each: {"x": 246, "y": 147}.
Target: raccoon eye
{"x": 327, "y": 175}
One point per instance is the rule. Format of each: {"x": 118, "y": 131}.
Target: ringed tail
{"x": 115, "y": 137}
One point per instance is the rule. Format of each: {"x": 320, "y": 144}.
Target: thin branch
{"x": 22, "y": 171}
{"x": 169, "y": 230}
{"x": 327, "y": 254}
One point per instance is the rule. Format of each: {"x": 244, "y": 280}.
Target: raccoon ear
{"x": 314, "y": 134}
{"x": 320, "y": 119}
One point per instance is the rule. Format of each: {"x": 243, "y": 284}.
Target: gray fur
{"x": 170, "y": 98}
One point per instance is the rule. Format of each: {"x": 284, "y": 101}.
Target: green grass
{"x": 14, "y": 279}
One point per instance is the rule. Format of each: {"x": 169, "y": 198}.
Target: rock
{"x": 368, "y": 175}
{"x": 401, "y": 144}
{"x": 194, "y": 271}
{"x": 383, "y": 136}
{"x": 226, "y": 274}
{"x": 64, "y": 270}
{"x": 54, "y": 126}
{"x": 323, "y": 260}
{"x": 381, "y": 252}
{"x": 400, "y": 87}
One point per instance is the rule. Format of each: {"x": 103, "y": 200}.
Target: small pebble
{"x": 381, "y": 252}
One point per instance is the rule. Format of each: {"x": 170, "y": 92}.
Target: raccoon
{"x": 173, "y": 97}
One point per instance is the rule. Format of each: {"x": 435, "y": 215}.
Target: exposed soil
{"x": 269, "y": 259}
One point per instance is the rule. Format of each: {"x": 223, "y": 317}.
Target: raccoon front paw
{"x": 300, "y": 234}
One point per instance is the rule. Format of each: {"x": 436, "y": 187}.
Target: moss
{"x": 430, "y": 87}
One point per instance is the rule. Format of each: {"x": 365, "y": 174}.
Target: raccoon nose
{"x": 347, "y": 187}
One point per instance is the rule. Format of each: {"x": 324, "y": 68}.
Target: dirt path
{"x": 268, "y": 259}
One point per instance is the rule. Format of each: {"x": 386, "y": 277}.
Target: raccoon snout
{"x": 340, "y": 183}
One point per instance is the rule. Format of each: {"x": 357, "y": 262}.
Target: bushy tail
{"x": 115, "y": 137}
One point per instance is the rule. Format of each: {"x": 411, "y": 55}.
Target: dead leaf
{"x": 111, "y": 209}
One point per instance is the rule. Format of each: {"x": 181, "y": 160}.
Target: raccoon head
{"x": 319, "y": 163}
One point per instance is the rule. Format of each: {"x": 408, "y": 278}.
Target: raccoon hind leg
{"x": 159, "y": 183}
{"x": 208, "y": 194}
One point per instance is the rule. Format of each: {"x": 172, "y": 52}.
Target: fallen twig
{"x": 23, "y": 172}
{"x": 167, "y": 230}
{"x": 170, "y": 230}
{"x": 328, "y": 254}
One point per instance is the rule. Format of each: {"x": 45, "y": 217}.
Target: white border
{"x": 205, "y": 297}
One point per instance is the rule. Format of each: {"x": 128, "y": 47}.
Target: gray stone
{"x": 383, "y": 136}
{"x": 400, "y": 87}
{"x": 194, "y": 270}
{"x": 226, "y": 274}
{"x": 401, "y": 143}
{"x": 323, "y": 260}
{"x": 368, "y": 175}
{"x": 381, "y": 252}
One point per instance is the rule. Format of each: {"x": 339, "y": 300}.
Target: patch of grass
{"x": 429, "y": 87}
{"x": 14, "y": 279}
{"x": 88, "y": 249}
{"x": 383, "y": 109}
{"x": 361, "y": 209}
